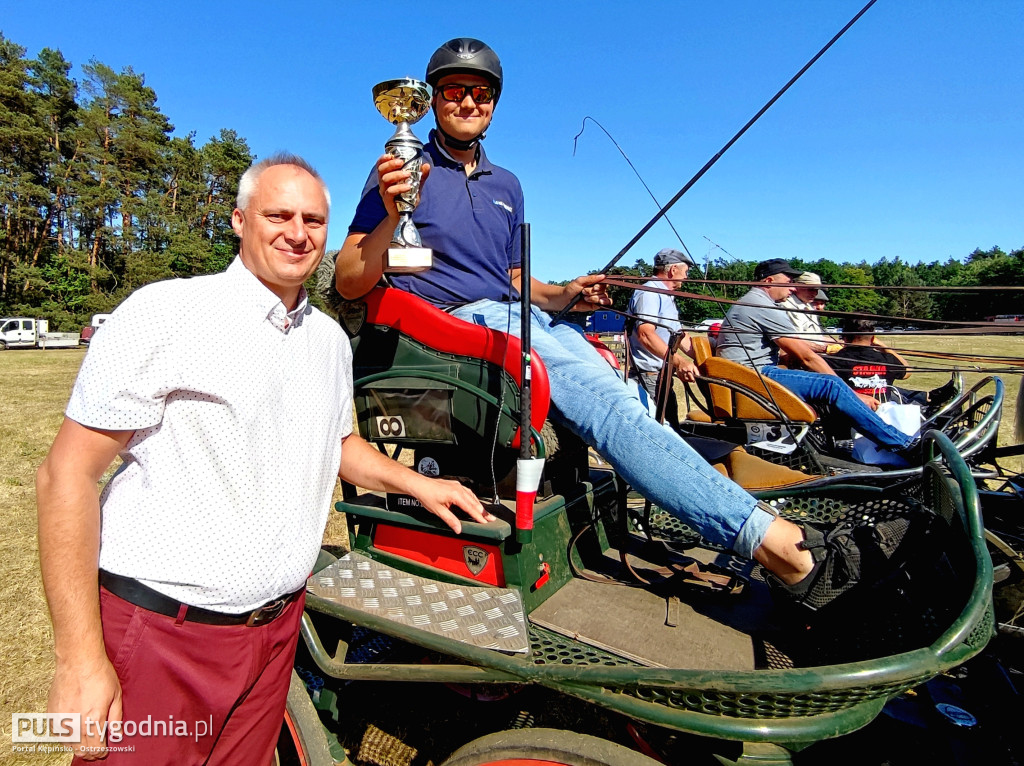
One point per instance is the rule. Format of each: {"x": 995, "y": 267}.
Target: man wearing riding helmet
{"x": 469, "y": 215}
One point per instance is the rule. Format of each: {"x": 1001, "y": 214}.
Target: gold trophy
{"x": 402, "y": 103}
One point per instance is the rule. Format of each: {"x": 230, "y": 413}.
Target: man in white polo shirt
{"x": 176, "y": 594}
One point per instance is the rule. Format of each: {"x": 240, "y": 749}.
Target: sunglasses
{"x": 481, "y": 94}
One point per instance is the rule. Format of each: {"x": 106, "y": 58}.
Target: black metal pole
{"x": 524, "y": 336}
{"x": 714, "y": 159}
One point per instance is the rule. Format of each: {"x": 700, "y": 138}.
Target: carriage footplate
{"x": 488, "y": 617}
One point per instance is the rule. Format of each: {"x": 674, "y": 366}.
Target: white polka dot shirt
{"x": 239, "y": 409}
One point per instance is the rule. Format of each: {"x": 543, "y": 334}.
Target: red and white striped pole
{"x": 528, "y": 468}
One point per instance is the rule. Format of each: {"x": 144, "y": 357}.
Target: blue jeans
{"x": 819, "y": 387}
{"x": 591, "y": 400}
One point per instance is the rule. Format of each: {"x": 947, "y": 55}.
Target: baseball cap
{"x": 668, "y": 256}
{"x": 820, "y": 296}
{"x": 775, "y": 266}
{"x": 807, "y": 278}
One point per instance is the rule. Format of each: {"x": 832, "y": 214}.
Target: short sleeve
{"x": 896, "y": 371}
{"x": 775, "y": 322}
{"x": 646, "y": 306}
{"x": 370, "y": 211}
{"x": 345, "y": 370}
{"x": 515, "y": 256}
{"x": 125, "y": 376}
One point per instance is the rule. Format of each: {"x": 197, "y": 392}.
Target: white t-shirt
{"x": 239, "y": 409}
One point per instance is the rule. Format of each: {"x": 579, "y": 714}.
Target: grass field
{"x": 34, "y": 387}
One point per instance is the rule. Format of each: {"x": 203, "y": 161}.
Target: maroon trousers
{"x": 193, "y": 693}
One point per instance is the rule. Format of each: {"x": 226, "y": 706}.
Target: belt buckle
{"x": 267, "y": 613}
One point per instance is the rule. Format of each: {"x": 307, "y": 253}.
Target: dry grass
{"x": 34, "y": 387}
{"x": 973, "y": 345}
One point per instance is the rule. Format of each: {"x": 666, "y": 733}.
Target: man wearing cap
{"x": 469, "y": 214}
{"x": 656, "y": 321}
{"x": 807, "y": 292}
{"x": 757, "y": 329}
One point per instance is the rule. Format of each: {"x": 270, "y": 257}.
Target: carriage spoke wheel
{"x": 545, "y": 747}
{"x": 302, "y": 741}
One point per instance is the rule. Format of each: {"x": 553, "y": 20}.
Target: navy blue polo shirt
{"x": 470, "y": 222}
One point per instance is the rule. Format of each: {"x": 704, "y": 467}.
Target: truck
{"x": 606, "y": 322}
{"x": 90, "y": 329}
{"x": 23, "y": 332}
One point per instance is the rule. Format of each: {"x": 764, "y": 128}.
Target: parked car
{"x": 94, "y": 324}
{"x": 707, "y": 324}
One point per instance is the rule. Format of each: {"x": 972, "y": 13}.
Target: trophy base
{"x": 408, "y": 260}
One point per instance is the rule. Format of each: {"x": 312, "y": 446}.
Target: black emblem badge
{"x": 475, "y": 558}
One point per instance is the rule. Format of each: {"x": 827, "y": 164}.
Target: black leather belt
{"x": 134, "y": 592}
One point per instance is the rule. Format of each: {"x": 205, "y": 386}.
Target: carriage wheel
{"x": 302, "y": 741}
{"x": 545, "y": 747}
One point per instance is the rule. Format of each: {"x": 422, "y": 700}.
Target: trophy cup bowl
{"x": 403, "y": 103}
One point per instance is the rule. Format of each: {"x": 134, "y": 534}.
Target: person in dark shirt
{"x": 870, "y": 367}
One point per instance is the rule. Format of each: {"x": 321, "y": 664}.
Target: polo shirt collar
{"x": 249, "y": 293}
{"x": 441, "y": 156}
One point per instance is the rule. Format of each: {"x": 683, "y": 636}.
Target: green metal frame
{"x": 791, "y": 708}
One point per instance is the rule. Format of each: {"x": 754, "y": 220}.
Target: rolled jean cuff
{"x": 752, "y": 532}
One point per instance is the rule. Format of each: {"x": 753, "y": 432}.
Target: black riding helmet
{"x": 465, "y": 55}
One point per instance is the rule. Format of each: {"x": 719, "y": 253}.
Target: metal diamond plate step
{"x": 491, "y": 618}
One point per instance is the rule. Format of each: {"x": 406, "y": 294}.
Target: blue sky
{"x": 906, "y": 139}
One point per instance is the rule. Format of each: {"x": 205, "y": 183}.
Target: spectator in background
{"x": 656, "y": 319}
{"x": 756, "y": 329}
{"x": 870, "y": 368}
{"x": 806, "y": 294}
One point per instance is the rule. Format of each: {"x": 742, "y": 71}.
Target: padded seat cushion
{"x": 730, "y": 404}
{"x": 753, "y": 473}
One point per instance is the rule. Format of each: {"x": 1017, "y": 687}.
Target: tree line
{"x": 992, "y": 267}
{"x": 98, "y": 198}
